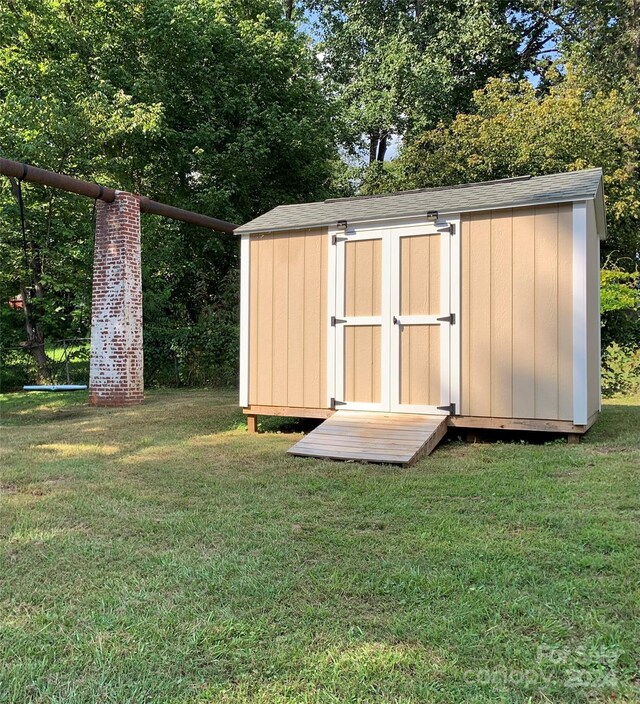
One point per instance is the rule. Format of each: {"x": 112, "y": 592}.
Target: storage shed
{"x": 475, "y": 306}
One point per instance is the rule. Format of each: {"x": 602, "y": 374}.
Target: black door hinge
{"x": 335, "y": 321}
{"x": 452, "y": 229}
{"x": 333, "y": 403}
{"x": 451, "y": 318}
{"x": 451, "y": 408}
{"x": 335, "y": 239}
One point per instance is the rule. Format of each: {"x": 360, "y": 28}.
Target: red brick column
{"x": 116, "y": 376}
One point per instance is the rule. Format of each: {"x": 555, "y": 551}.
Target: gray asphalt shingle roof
{"x": 489, "y": 195}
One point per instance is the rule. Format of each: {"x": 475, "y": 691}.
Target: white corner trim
{"x": 456, "y": 330}
{"x": 445, "y": 310}
{"x": 331, "y": 311}
{"x": 245, "y": 250}
{"x": 580, "y": 346}
{"x": 387, "y": 380}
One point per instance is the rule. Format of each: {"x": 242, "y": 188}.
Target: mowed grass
{"x": 162, "y": 554}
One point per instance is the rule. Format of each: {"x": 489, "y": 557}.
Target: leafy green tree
{"x": 603, "y": 36}
{"x": 396, "y": 67}
{"x": 211, "y": 105}
{"x": 56, "y": 114}
{"x": 513, "y": 131}
{"x": 619, "y": 290}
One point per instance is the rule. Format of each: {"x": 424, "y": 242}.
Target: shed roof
{"x": 469, "y": 197}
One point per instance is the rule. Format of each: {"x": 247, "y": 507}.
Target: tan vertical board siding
{"x": 523, "y": 316}
{"x": 465, "y": 293}
{"x": 314, "y": 321}
{"x": 565, "y": 312}
{"x": 479, "y": 314}
{"x": 287, "y": 319}
{"x": 516, "y": 312}
{"x": 296, "y": 321}
{"x": 593, "y": 313}
{"x": 362, "y": 363}
{"x": 546, "y": 312}
{"x": 501, "y": 302}
{"x": 280, "y": 363}
{"x": 261, "y": 349}
{"x": 420, "y": 344}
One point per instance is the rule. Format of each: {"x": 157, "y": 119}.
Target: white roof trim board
{"x": 470, "y": 197}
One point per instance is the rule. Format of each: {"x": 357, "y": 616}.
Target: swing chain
{"x": 16, "y": 188}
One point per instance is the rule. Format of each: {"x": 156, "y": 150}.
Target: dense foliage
{"x": 211, "y": 105}
{"x": 396, "y": 68}
{"x": 512, "y": 131}
{"x": 230, "y": 107}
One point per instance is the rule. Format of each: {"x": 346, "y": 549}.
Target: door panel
{"x": 391, "y": 322}
{"x": 360, "y": 325}
{"x": 363, "y": 278}
{"x": 420, "y": 365}
{"x": 362, "y": 364}
{"x": 419, "y": 338}
{"x": 420, "y": 275}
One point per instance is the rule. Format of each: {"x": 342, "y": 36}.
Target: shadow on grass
{"x": 283, "y": 424}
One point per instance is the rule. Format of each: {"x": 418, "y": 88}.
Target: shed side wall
{"x": 287, "y": 319}
{"x": 516, "y": 313}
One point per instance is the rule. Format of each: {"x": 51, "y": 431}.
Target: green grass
{"x": 78, "y": 361}
{"x": 162, "y": 554}
{"x": 58, "y": 353}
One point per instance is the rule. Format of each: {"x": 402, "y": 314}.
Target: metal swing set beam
{"x": 32, "y": 174}
{"x": 117, "y": 387}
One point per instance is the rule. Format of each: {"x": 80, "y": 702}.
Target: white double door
{"x": 392, "y": 322}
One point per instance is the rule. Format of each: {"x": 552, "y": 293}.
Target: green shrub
{"x": 16, "y": 369}
{"x": 202, "y": 354}
{"x": 620, "y": 370}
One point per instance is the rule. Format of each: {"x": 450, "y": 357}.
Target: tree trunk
{"x": 634, "y": 30}
{"x": 382, "y": 146}
{"x": 35, "y": 337}
{"x": 34, "y": 343}
{"x": 374, "y": 139}
{"x": 288, "y": 9}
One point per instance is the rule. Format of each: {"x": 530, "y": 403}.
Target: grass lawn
{"x": 162, "y": 554}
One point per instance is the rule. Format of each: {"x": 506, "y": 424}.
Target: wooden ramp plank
{"x": 390, "y": 438}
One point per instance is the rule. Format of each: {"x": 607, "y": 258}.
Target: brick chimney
{"x": 116, "y": 374}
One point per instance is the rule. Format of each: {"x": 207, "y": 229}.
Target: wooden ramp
{"x": 393, "y": 438}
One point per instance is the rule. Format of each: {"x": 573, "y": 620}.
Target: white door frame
{"x": 450, "y": 347}
{"x": 437, "y": 319}
{"x": 341, "y": 321}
